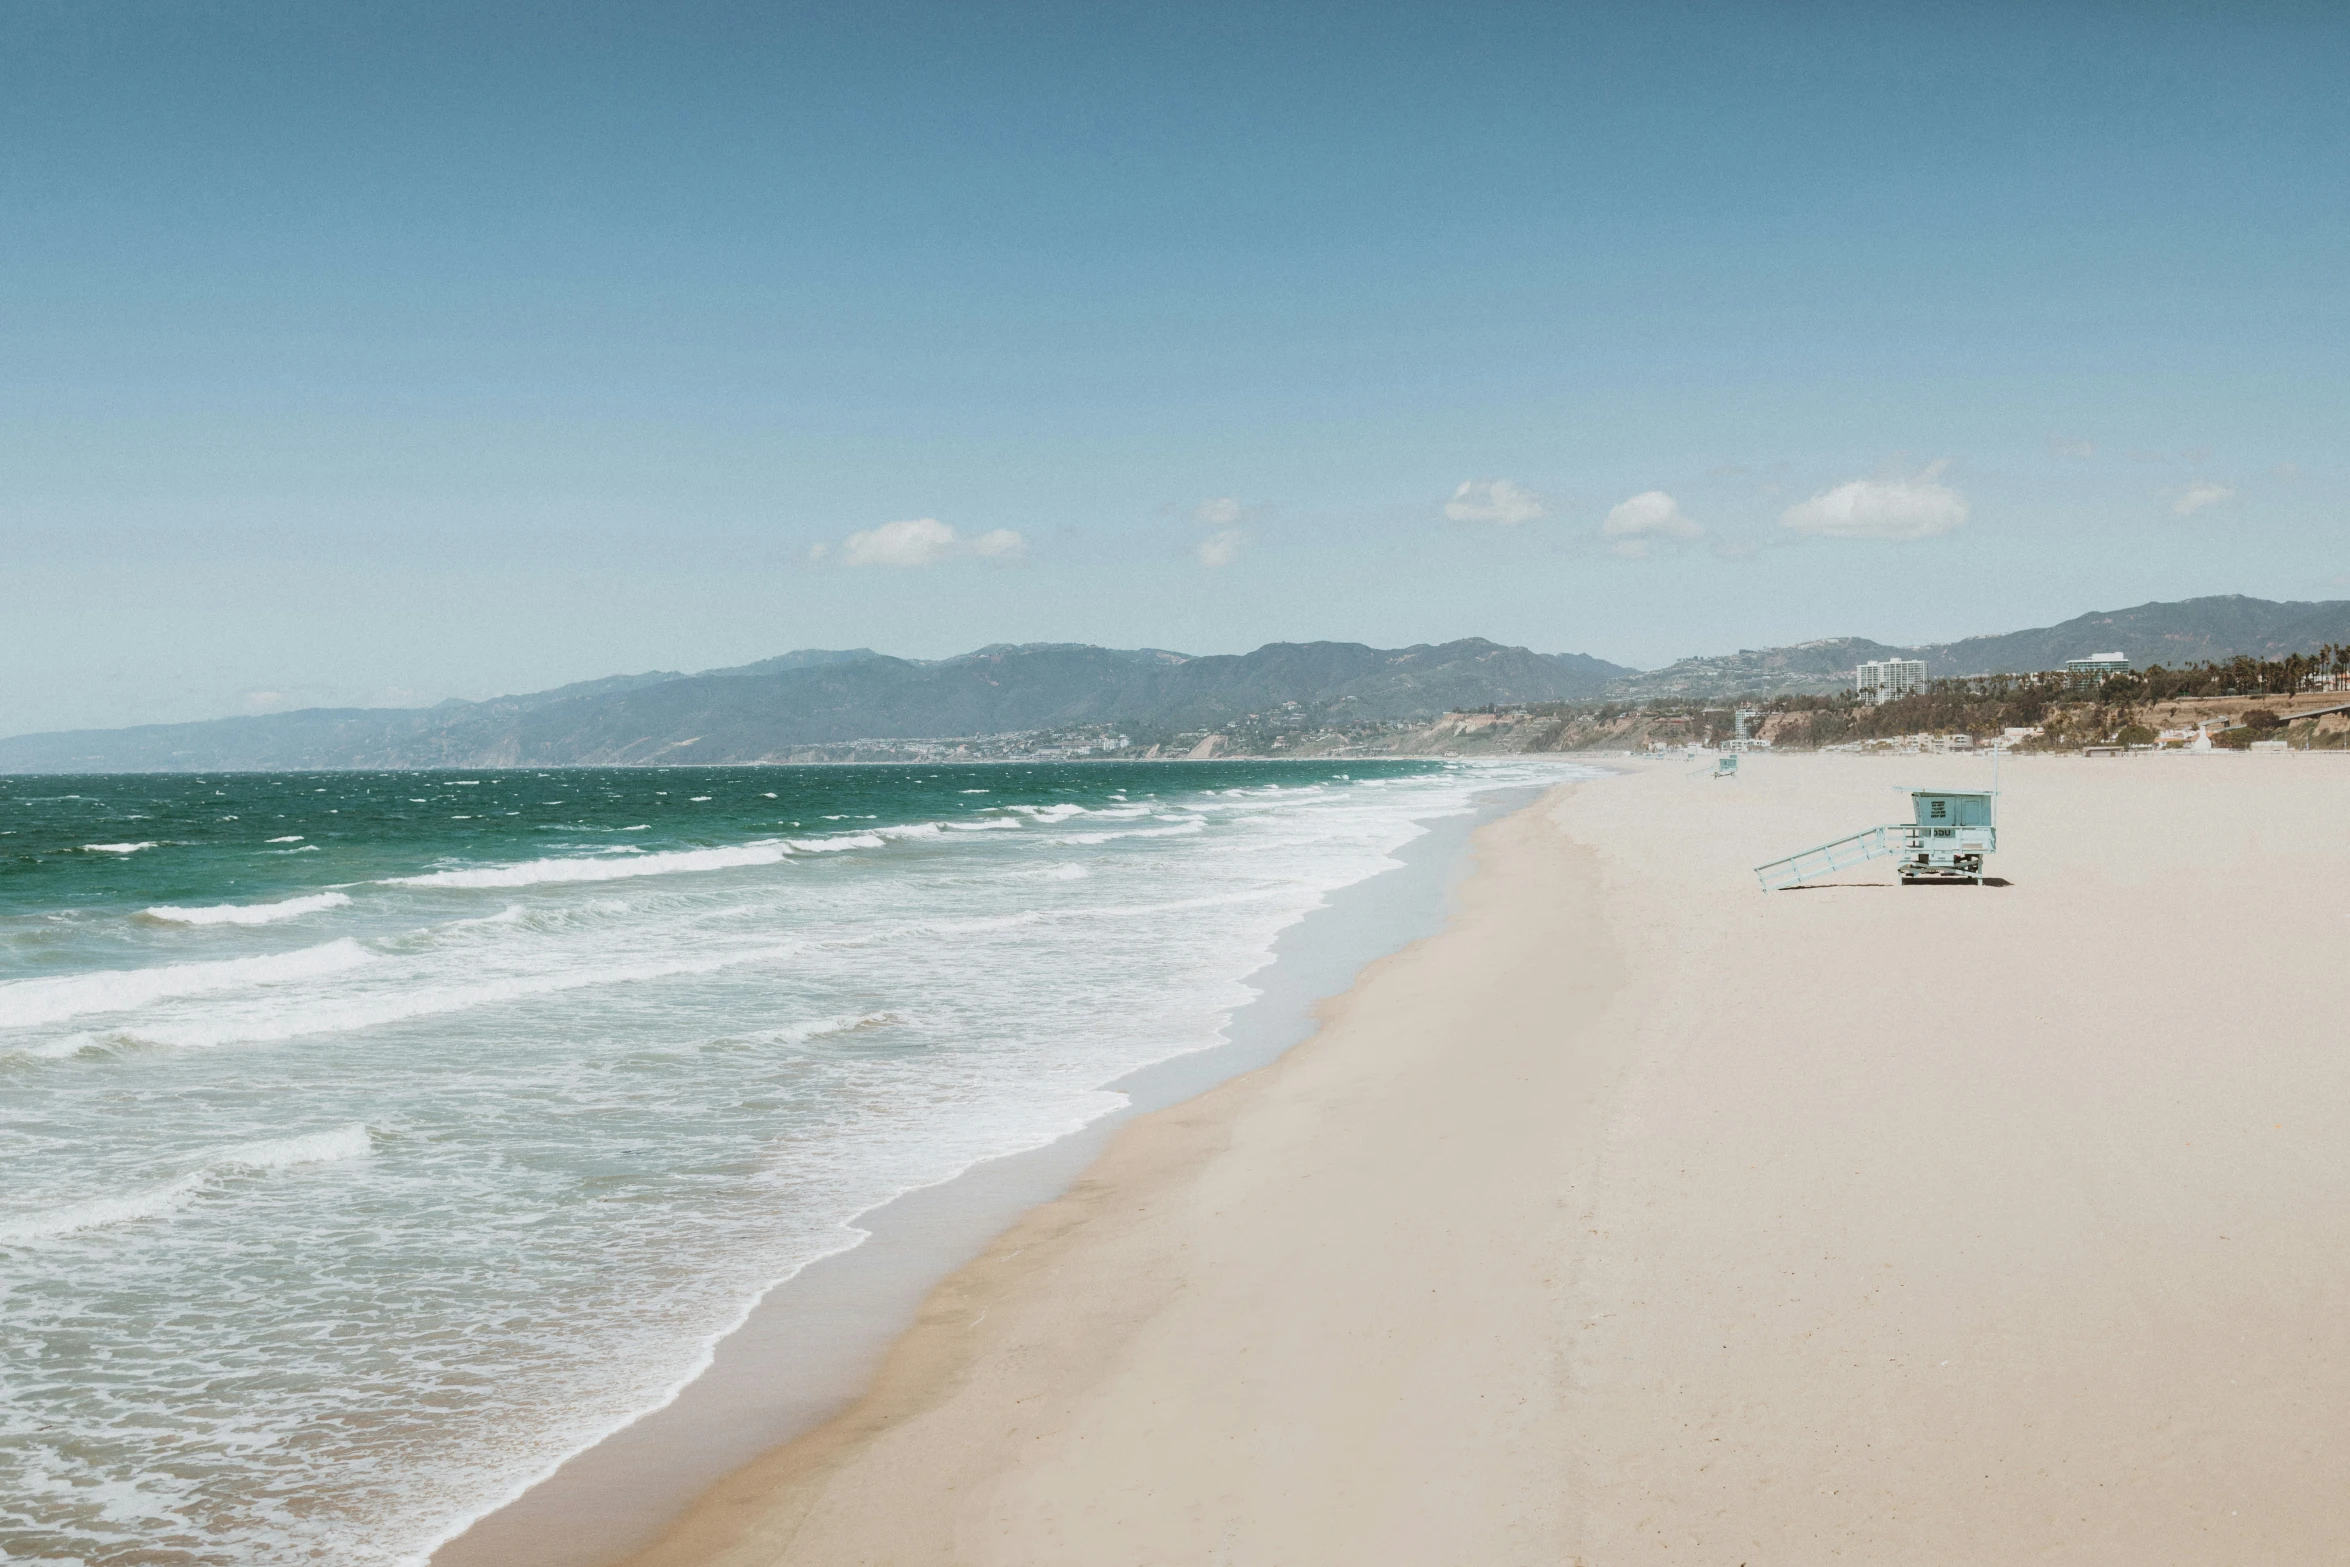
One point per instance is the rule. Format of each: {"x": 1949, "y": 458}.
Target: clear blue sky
{"x": 398, "y": 352}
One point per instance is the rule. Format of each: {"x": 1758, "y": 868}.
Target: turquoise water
{"x": 370, "y": 1142}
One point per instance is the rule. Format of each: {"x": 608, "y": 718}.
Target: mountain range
{"x": 759, "y": 712}
{"x": 816, "y": 697}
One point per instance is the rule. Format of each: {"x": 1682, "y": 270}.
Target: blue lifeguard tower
{"x": 1947, "y": 838}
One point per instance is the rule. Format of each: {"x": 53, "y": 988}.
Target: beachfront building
{"x": 2092, "y": 670}
{"x": 1882, "y": 680}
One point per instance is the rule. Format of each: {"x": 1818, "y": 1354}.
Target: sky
{"x": 365, "y": 355}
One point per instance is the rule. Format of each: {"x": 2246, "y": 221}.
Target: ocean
{"x": 371, "y": 1142}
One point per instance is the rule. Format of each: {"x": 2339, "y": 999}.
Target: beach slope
{"x": 1644, "y": 1217}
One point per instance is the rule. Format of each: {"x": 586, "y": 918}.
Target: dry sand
{"x": 1643, "y": 1217}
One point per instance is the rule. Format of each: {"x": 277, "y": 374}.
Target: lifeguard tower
{"x": 1953, "y": 831}
{"x": 1947, "y": 838}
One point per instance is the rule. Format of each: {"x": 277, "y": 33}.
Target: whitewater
{"x": 371, "y": 1142}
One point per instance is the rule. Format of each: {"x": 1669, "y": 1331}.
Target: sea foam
{"x": 247, "y": 913}
{"x": 1183, "y": 829}
{"x": 854, "y": 840}
{"x": 278, "y": 1153}
{"x": 304, "y": 1015}
{"x": 535, "y": 873}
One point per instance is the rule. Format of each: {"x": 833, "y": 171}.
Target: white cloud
{"x": 2195, "y": 497}
{"x": 1224, "y": 513}
{"x": 1882, "y": 508}
{"x": 1496, "y": 501}
{"x": 1652, "y": 514}
{"x": 1222, "y": 549}
{"x": 2061, "y": 447}
{"x": 920, "y": 541}
{"x": 267, "y": 702}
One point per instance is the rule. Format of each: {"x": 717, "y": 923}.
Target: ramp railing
{"x": 1829, "y": 858}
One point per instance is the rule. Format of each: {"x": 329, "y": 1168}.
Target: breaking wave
{"x": 27, "y": 1003}
{"x": 247, "y": 913}
{"x": 801, "y": 1033}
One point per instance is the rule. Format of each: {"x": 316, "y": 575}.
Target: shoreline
{"x": 1640, "y": 1217}
{"x": 949, "y": 1411}
{"x": 811, "y": 1343}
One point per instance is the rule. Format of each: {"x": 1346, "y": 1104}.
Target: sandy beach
{"x": 1641, "y": 1216}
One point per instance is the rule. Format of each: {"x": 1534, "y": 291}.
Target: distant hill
{"x": 758, "y": 711}
{"x": 1807, "y": 666}
{"x": 2185, "y": 632}
{"x": 2189, "y": 631}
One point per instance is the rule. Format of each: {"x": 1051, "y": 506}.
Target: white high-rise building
{"x": 1884, "y": 679}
